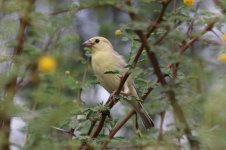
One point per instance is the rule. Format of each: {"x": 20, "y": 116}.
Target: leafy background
{"x": 55, "y": 109}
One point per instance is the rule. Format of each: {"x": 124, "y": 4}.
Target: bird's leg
{"x": 126, "y": 90}
{"x": 124, "y": 93}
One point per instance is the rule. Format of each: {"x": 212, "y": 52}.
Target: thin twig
{"x": 195, "y": 38}
{"x": 162, "y": 116}
{"x": 124, "y": 120}
{"x": 174, "y": 5}
{"x": 133, "y": 16}
{"x": 112, "y": 102}
{"x": 83, "y": 80}
{"x": 165, "y": 4}
{"x": 178, "y": 112}
{"x": 117, "y": 127}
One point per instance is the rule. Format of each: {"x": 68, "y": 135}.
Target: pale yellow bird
{"x": 105, "y": 59}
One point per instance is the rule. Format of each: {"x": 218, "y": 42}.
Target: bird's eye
{"x": 97, "y": 41}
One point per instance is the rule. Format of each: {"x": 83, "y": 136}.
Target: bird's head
{"x": 98, "y": 44}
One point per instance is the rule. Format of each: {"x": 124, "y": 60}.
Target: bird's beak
{"x": 88, "y": 43}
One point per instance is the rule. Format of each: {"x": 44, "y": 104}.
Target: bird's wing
{"x": 121, "y": 63}
{"x": 129, "y": 86}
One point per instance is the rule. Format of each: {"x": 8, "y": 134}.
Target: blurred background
{"x": 48, "y": 87}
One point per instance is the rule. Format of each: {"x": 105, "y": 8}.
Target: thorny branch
{"x": 208, "y": 27}
{"x": 189, "y": 42}
{"x": 24, "y": 22}
{"x": 124, "y": 120}
{"x": 154, "y": 60}
{"x": 170, "y": 93}
{"x": 165, "y": 4}
{"x": 111, "y": 102}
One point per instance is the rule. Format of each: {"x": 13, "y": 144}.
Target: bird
{"x": 105, "y": 59}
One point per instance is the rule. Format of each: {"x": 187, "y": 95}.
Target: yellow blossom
{"x": 222, "y": 58}
{"x": 46, "y": 64}
{"x": 118, "y": 32}
{"x": 224, "y": 37}
{"x": 189, "y": 2}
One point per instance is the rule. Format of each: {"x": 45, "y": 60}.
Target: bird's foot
{"x": 113, "y": 97}
{"x": 124, "y": 93}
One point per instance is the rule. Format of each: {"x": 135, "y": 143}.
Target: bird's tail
{"x": 146, "y": 119}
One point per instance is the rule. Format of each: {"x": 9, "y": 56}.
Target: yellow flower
{"x": 224, "y": 37}
{"x": 118, "y": 32}
{"x": 222, "y": 58}
{"x": 189, "y": 2}
{"x": 46, "y": 64}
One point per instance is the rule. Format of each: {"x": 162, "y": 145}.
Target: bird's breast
{"x": 102, "y": 63}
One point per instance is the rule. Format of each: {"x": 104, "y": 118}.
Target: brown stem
{"x": 187, "y": 44}
{"x": 178, "y": 112}
{"x": 100, "y": 125}
{"x": 124, "y": 120}
{"x": 112, "y": 102}
{"x": 5, "y": 119}
{"x": 174, "y": 5}
{"x": 160, "y": 136}
{"x": 83, "y": 81}
{"x": 20, "y": 37}
{"x": 165, "y": 4}
{"x": 171, "y": 96}
{"x": 153, "y": 59}
{"x": 93, "y": 123}
{"x": 117, "y": 127}
{"x": 24, "y": 22}
{"x": 195, "y": 38}
{"x": 133, "y": 16}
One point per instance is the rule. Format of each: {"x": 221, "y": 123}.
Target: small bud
{"x": 118, "y": 32}
{"x": 189, "y": 2}
{"x": 222, "y": 58}
{"x": 224, "y": 37}
{"x": 46, "y": 64}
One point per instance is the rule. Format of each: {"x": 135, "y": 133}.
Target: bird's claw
{"x": 113, "y": 97}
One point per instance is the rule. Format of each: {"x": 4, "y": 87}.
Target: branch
{"x": 100, "y": 125}
{"x": 124, "y": 120}
{"x": 187, "y": 44}
{"x": 178, "y": 112}
{"x": 195, "y": 38}
{"x": 111, "y": 101}
{"x": 24, "y": 22}
{"x": 170, "y": 94}
{"x": 117, "y": 127}
{"x": 165, "y": 4}
{"x": 78, "y": 8}
{"x": 83, "y": 81}
{"x": 133, "y": 16}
